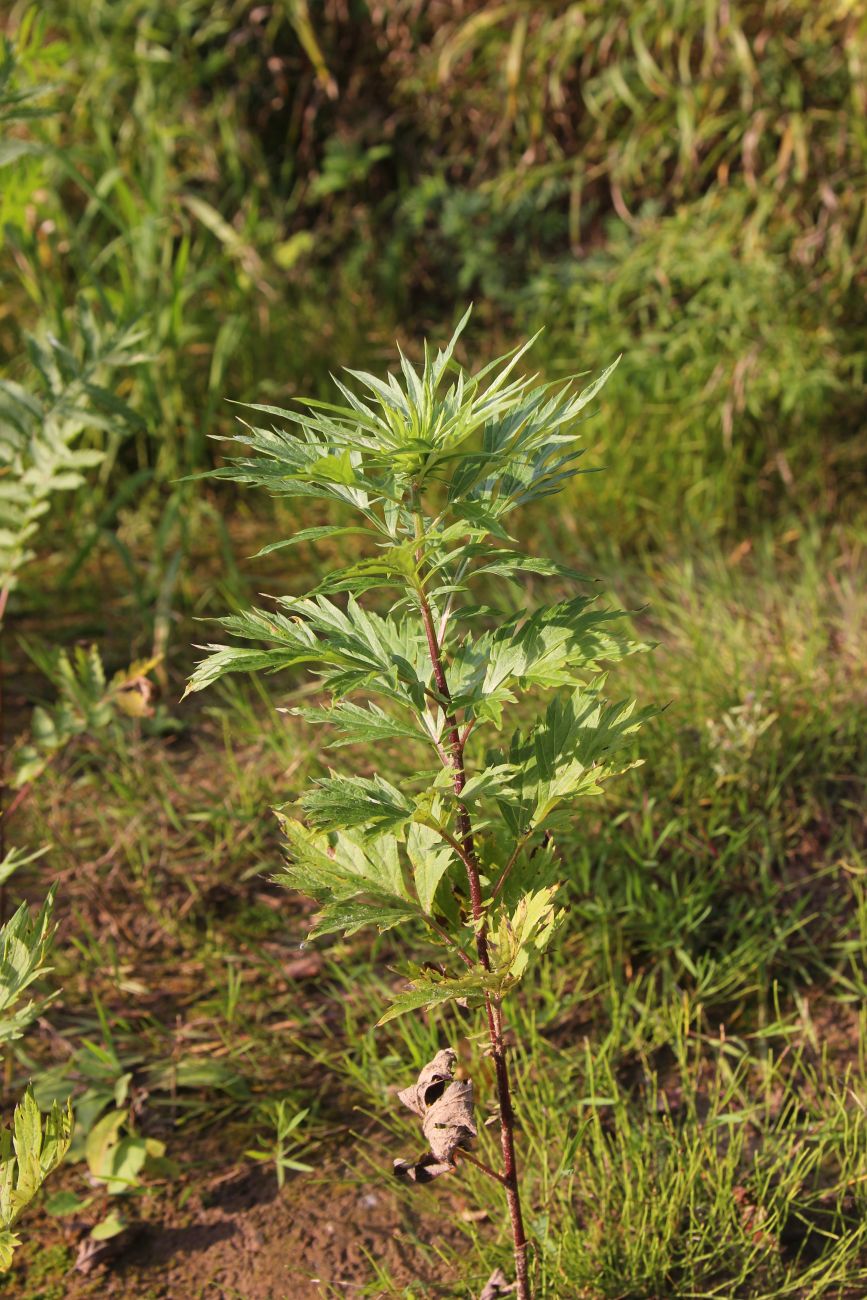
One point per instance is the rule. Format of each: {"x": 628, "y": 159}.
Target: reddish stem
{"x": 20, "y": 796}
{"x": 479, "y": 1164}
{"x": 492, "y": 1005}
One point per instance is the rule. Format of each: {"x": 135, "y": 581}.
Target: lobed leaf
{"x": 356, "y": 725}
{"x": 340, "y": 803}
{"x": 352, "y": 647}
{"x": 556, "y": 646}
{"x": 432, "y": 992}
{"x": 576, "y": 747}
{"x": 430, "y": 858}
{"x": 25, "y": 941}
{"x": 29, "y": 1152}
{"x": 517, "y": 936}
{"x": 349, "y": 917}
{"x": 39, "y": 430}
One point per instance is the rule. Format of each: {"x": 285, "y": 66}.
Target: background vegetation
{"x": 202, "y": 201}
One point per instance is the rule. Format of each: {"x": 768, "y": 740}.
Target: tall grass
{"x": 269, "y": 187}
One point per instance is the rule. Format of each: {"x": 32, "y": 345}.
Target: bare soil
{"x": 240, "y": 1238}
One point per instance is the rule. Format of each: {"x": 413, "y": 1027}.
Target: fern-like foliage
{"x": 34, "y": 1145}
{"x": 25, "y": 941}
{"x": 42, "y": 428}
{"x": 433, "y": 463}
{"x": 18, "y": 102}
{"x": 29, "y": 1151}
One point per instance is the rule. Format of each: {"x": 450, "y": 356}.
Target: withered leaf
{"x": 423, "y": 1170}
{"x": 134, "y": 697}
{"x": 93, "y": 1254}
{"x": 497, "y": 1285}
{"x": 444, "y": 1105}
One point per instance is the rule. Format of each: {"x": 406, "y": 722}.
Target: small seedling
{"x": 432, "y": 466}
{"x": 283, "y": 1122}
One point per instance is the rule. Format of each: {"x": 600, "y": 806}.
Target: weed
{"x": 283, "y": 1120}
{"x": 433, "y": 470}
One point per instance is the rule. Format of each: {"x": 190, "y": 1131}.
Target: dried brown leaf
{"x": 445, "y": 1107}
{"x": 497, "y": 1285}
{"x": 93, "y": 1254}
{"x": 424, "y": 1170}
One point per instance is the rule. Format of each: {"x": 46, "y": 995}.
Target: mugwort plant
{"x": 427, "y": 469}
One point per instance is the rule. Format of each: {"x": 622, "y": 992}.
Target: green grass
{"x": 661, "y": 1158}
{"x": 654, "y": 188}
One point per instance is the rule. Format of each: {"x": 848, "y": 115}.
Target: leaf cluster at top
{"x": 433, "y": 463}
{"x": 486, "y": 442}
{"x": 432, "y": 466}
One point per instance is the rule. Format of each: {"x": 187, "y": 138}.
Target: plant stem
{"x": 508, "y": 867}
{"x": 479, "y": 1164}
{"x": 493, "y": 1006}
{"x": 453, "y": 943}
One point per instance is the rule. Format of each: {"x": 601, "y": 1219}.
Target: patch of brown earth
{"x": 241, "y": 1238}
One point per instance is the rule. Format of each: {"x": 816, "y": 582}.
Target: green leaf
{"x": 339, "y": 803}
{"x": 112, "y": 1225}
{"x": 24, "y": 946}
{"x": 570, "y": 753}
{"x": 29, "y": 1152}
{"x": 430, "y": 858}
{"x": 115, "y": 1160}
{"x": 427, "y": 993}
{"x": 526, "y": 931}
{"x": 9, "y": 1241}
{"x": 354, "y": 647}
{"x": 358, "y": 879}
{"x": 557, "y": 645}
{"x": 349, "y": 917}
{"x": 102, "y": 1141}
{"x": 482, "y": 785}
{"x": 313, "y": 535}
{"x": 127, "y": 1162}
{"x": 39, "y": 430}
{"x": 341, "y": 866}
{"x": 61, "y": 1204}
{"x": 356, "y": 725}
{"x": 16, "y": 858}
{"x": 332, "y": 469}
{"x": 505, "y": 564}
{"x": 395, "y": 567}
{"x": 399, "y": 436}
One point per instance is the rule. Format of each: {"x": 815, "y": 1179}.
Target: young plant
{"x": 283, "y": 1120}
{"x": 432, "y": 466}
{"x": 41, "y": 431}
{"x": 87, "y": 704}
{"x": 30, "y": 1148}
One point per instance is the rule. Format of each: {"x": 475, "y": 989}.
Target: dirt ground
{"x": 240, "y": 1238}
